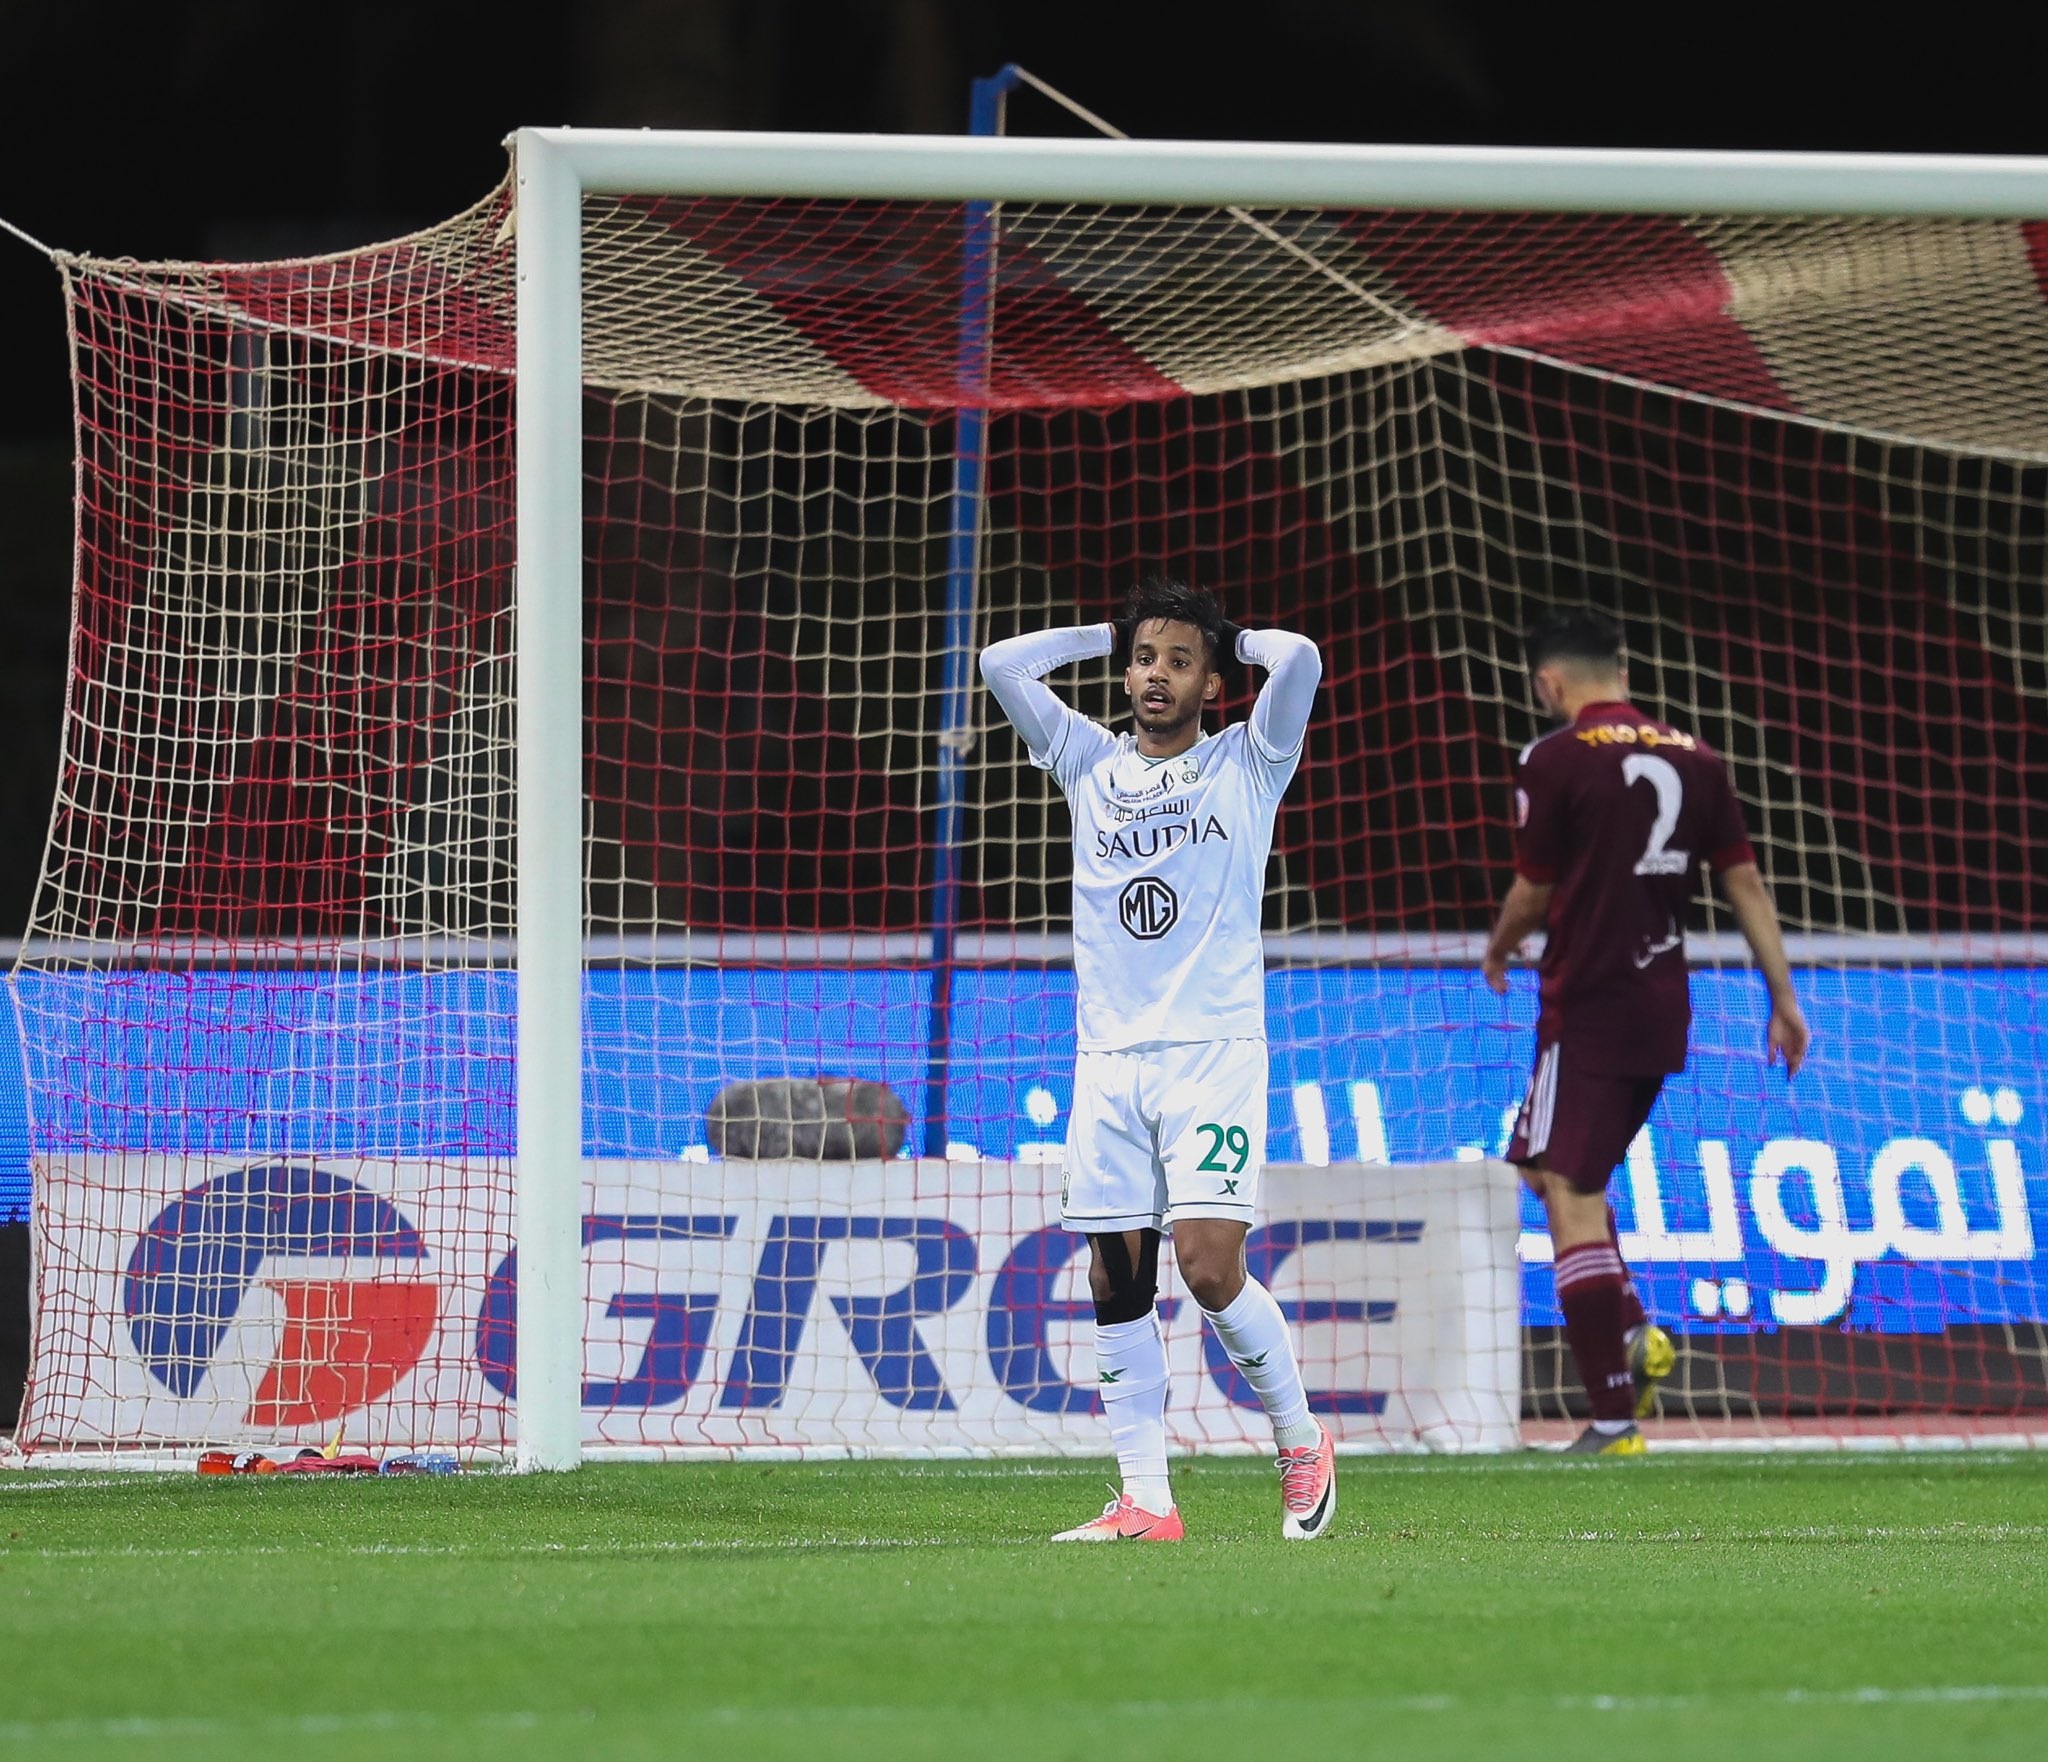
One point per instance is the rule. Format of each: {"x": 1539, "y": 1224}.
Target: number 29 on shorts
{"x": 1221, "y": 1145}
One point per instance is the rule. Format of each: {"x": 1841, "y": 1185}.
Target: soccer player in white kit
{"x": 1172, "y": 828}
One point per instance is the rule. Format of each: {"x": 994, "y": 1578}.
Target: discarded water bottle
{"x": 421, "y": 1462}
{"x": 235, "y": 1462}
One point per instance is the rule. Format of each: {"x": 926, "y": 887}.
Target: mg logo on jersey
{"x": 1148, "y": 908}
{"x": 342, "y": 1341}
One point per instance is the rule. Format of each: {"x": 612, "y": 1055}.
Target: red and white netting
{"x": 267, "y": 1000}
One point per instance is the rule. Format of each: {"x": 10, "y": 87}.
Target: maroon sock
{"x": 1632, "y": 1313}
{"x": 1591, "y": 1282}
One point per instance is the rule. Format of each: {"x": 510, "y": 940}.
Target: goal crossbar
{"x": 963, "y": 168}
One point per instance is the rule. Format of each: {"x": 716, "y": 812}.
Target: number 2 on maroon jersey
{"x": 1662, "y": 776}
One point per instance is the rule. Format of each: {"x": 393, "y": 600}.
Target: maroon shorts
{"x": 1578, "y": 1122}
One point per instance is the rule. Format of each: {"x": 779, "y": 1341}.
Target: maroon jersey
{"x": 1617, "y": 811}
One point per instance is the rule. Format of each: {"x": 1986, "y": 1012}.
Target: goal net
{"x": 830, "y": 448}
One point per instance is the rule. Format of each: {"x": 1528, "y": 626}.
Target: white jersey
{"x": 1169, "y": 854}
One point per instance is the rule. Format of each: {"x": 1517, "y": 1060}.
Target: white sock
{"x": 1254, "y": 1333}
{"x": 1130, "y": 1361}
{"x": 1613, "y": 1428}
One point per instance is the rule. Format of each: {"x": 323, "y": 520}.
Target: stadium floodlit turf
{"x": 1684, "y": 1607}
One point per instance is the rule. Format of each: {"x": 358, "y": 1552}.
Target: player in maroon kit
{"x": 1615, "y": 812}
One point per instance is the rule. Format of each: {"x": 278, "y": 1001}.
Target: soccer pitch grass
{"x": 1755, "y": 1607}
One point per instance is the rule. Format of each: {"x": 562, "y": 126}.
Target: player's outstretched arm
{"x": 1521, "y": 915}
{"x": 1015, "y": 669}
{"x": 1294, "y": 668}
{"x": 1787, "y": 1035}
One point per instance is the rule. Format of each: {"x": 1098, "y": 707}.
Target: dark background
{"x": 231, "y": 128}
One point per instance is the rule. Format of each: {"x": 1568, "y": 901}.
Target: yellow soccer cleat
{"x": 1597, "y": 1443}
{"x": 1651, "y": 1358}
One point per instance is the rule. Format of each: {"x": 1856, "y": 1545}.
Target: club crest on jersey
{"x": 1148, "y": 908}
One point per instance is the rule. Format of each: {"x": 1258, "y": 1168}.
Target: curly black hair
{"x": 1165, "y": 597}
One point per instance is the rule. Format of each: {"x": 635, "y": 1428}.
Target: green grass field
{"x": 1733, "y": 1607}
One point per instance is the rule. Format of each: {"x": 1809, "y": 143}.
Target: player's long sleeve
{"x": 1294, "y": 668}
{"x": 1015, "y": 669}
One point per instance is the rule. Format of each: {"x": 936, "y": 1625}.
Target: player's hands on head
{"x": 1787, "y": 1037}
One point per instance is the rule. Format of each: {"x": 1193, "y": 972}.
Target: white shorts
{"x": 1164, "y": 1133}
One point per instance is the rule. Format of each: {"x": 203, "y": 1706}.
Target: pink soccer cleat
{"x": 1122, "y": 1521}
{"x": 1308, "y": 1489}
